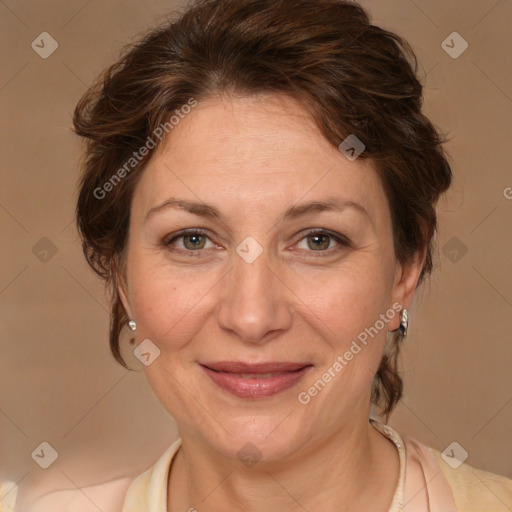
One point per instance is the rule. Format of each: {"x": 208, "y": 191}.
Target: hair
{"x": 351, "y": 76}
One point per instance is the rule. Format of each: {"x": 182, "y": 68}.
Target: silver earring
{"x": 132, "y": 325}
{"x": 404, "y": 321}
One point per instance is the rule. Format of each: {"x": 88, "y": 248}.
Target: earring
{"x": 404, "y": 321}
{"x": 132, "y": 325}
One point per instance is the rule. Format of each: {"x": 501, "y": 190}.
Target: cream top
{"x": 428, "y": 482}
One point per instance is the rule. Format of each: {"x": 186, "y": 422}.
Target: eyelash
{"x": 340, "y": 239}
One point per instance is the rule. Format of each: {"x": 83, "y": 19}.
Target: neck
{"x": 349, "y": 469}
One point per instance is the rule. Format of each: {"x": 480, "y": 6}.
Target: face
{"x": 258, "y": 254}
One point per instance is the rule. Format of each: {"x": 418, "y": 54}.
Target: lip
{"x": 253, "y": 380}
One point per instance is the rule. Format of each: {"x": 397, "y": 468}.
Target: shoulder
{"x": 120, "y": 495}
{"x": 8, "y": 495}
{"x": 107, "y": 496}
{"x": 450, "y": 484}
{"x": 149, "y": 490}
{"x": 475, "y": 489}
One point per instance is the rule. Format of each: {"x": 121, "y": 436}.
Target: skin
{"x": 252, "y": 158}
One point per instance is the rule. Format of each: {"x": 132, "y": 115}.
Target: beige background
{"x": 59, "y": 383}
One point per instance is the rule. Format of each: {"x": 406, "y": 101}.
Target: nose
{"x": 255, "y": 304}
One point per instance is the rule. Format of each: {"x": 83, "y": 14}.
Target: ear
{"x": 406, "y": 281}
{"x": 122, "y": 288}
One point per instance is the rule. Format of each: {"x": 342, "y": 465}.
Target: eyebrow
{"x": 294, "y": 212}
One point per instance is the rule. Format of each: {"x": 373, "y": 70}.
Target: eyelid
{"x": 189, "y": 231}
{"x": 168, "y": 241}
{"x": 340, "y": 239}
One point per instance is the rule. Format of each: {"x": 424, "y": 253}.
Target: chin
{"x": 259, "y": 441}
{"x": 270, "y": 434}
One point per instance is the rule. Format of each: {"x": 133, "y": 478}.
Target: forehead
{"x": 241, "y": 152}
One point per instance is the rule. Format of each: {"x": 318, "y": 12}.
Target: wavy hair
{"x": 352, "y": 76}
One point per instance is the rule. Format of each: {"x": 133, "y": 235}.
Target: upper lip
{"x": 241, "y": 367}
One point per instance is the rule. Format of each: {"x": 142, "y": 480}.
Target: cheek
{"x": 168, "y": 303}
{"x": 347, "y": 307}
{"x": 351, "y": 300}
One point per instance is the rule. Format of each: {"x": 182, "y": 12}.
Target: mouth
{"x": 260, "y": 380}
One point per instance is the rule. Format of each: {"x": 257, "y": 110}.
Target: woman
{"x": 259, "y": 194}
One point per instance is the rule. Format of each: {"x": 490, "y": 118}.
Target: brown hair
{"x": 352, "y": 76}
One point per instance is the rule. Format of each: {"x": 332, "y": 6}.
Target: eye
{"x": 322, "y": 241}
{"x": 192, "y": 240}
{"x": 316, "y": 240}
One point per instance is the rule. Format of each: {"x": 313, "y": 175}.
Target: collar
{"x": 421, "y": 485}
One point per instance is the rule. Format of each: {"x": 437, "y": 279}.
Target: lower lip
{"x": 255, "y": 387}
